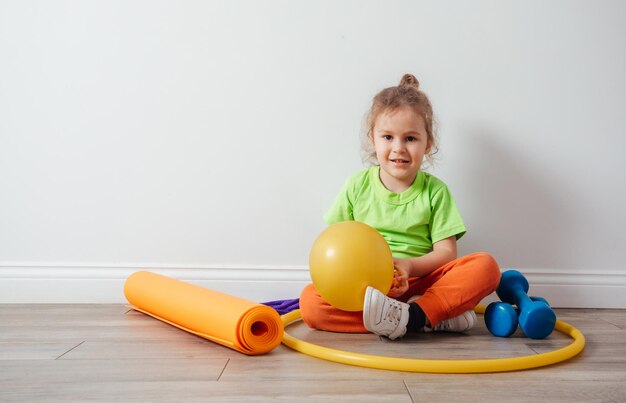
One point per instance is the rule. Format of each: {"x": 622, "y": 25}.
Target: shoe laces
{"x": 394, "y": 312}
{"x": 443, "y": 325}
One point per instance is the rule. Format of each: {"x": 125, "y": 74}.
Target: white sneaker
{"x": 461, "y": 323}
{"x": 384, "y": 316}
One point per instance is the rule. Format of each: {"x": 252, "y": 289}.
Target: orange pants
{"x": 447, "y": 292}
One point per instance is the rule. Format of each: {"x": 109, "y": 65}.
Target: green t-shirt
{"x": 410, "y": 221}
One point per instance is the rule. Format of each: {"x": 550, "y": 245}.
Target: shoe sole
{"x": 367, "y": 314}
{"x": 470, "y": 321}
{"x": 473, "y": 321}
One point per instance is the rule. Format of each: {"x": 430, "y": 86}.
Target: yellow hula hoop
{"x": 438, "y": 366}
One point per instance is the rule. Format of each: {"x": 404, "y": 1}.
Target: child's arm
{"x": 443, "y": 252}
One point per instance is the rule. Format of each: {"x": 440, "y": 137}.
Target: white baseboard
{"x": 101, "y": 283}
{"x": 577, "y": 289}
{"x": 96, "y": 283}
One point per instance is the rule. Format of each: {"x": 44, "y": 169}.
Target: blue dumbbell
{"x": 545, "y": 301}
{"x": 501, "y": 318}
{"x": 536, "y": 318}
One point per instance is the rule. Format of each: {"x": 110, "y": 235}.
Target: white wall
{"x": 206, "y": 139}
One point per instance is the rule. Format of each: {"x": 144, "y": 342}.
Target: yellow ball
{"x": 345, "y": 259}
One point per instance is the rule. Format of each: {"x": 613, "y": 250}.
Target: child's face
{"x": 400, "y": 141}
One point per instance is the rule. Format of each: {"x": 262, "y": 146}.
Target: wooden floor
{"x": 107, "y": 353}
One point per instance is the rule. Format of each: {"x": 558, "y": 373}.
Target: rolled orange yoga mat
{"x": 237, "y": 323}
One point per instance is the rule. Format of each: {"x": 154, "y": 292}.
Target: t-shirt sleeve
{"x": 445, "y": 219}
{"x": 341, "y": 209}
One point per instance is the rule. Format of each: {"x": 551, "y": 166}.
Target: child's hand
{"x": 400, "y": 283}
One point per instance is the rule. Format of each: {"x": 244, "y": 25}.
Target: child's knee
{"x": 318, "y": 314}
{"x": 308, "y": 306}
{"x": 490, "y": 270}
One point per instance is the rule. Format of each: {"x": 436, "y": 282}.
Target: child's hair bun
{"x": 410, "y": 80}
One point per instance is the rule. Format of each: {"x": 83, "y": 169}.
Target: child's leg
{"x": 318, "y": 314}
{"x": 445, "y": 293}
{"x": 455, "y": 287}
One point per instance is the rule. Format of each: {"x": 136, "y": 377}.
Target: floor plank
{"x": 148, "y": 348}
{"x": 29, "y": 350}
{"x": 25, "y": 373}
{"x": 486, "y": 389}
{"x": 230, "y": 391}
